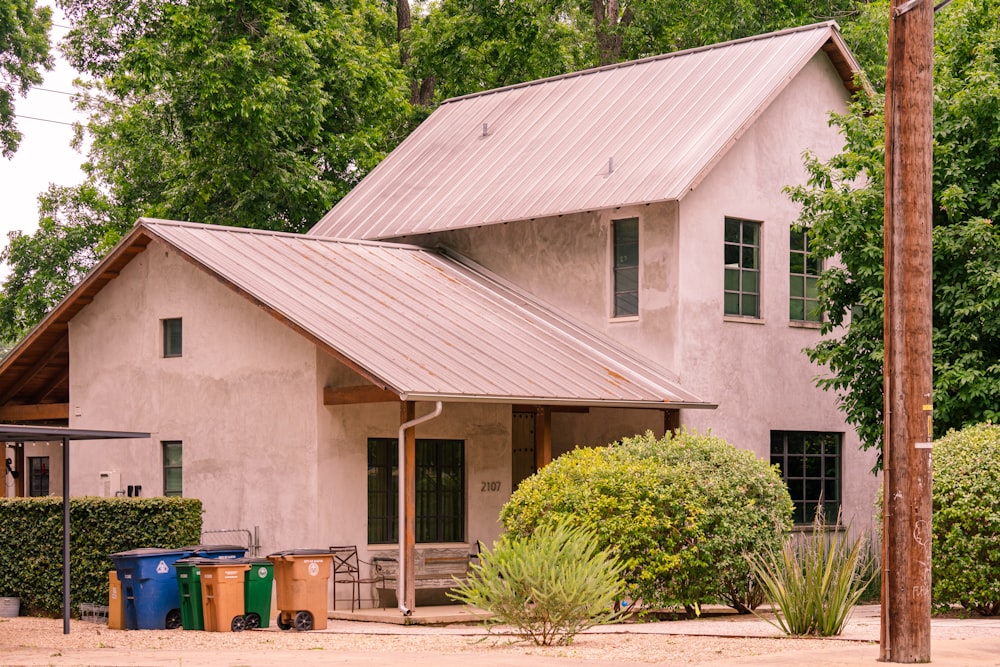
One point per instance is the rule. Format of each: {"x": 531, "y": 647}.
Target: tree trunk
{"x": 421, "y": 90}
{"x": 606, "y": 22}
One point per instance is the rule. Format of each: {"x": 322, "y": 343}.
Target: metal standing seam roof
{"x": 422, "y": 324}
{"x": 637, "y": 132}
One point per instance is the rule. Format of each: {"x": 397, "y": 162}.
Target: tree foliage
{"x": 24, "y": 51}
{"x": 843, "y": 207}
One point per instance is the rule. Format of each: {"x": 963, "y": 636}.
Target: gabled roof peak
{"x": 634, "y": 133}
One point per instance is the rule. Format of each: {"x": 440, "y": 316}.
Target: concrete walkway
{"x": 972, "y": 642}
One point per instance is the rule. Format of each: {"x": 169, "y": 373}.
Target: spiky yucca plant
{"x": 814, "y": 582}
{"x": 547, "y": 587}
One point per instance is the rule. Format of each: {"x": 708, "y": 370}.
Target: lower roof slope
{"x": 418, "y": 323}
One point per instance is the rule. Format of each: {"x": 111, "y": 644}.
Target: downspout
{"x": 401, "y": 563}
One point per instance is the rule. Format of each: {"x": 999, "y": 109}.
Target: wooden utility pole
{"x": 906, "y": 562}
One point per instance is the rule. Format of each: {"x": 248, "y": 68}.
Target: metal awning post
{"x": 65, "y": 495}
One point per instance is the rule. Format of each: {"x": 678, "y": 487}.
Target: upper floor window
{"x": 626, "y": 266}
{"x": 172, "y": 469}
{"x": 742, "y": 258}
{"x": 172, "y": 339}
{"x": 810, "y": 466}
{"x": 803, "y": 269}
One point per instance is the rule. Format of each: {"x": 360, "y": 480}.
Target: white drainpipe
{"x": 401, "y": 563}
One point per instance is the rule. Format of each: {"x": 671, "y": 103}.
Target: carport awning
{"x": 18, "y": 433}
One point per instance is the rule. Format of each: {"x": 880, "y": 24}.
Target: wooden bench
{"x": 435, "y": 572}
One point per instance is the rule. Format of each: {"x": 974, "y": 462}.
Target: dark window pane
{"x": 748, "y": 258}
{"x": 796, "y": 310}
{"x": 732, "y": 304}
{"x": 796, "y": 467}
{"x": 796, "y": 263}
{"x": 796, "y": 240}
{"x": 732, "y": 231}
{"x": 750, "y": 233}
{"x": 750, "y": 282}
{"x": 732, "y": 280}
{"x": 749, "y": 305}
{"x": 732, "y": 258}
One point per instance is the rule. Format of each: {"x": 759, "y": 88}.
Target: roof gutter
{"x": 563, "y": 402}
{"x": 401, "y": 466}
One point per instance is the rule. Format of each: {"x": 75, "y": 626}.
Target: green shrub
{"x": 31, "y": 543}
{"x": 814, "y": 580}
{"x": 548, "y": 587}
{"x": 966, "y": 521}
{"x": 678, "y": 511}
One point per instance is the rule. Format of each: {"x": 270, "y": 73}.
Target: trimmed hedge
{"x": 679, "y": 511}
{"x": 31, "y": 543}
{"x": 966, "y": 550}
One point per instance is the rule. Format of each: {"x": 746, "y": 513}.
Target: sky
{"x": 44, "y": 155}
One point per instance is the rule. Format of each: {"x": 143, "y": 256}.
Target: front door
{"x": 523, "y": 461}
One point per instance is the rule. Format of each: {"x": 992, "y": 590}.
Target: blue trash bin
{"x": 149, "y": 587}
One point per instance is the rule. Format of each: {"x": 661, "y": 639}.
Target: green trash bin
{"x": 189, "y": 587}
{"x": 257, "y": 592}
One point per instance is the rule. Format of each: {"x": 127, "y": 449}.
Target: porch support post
{"x": 408, "y": 493}
{"x": 543, "y": 436}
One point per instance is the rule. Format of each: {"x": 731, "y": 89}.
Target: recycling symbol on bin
{"x": 313, "y": 569}
{"x": 162, "y": 568}
{"x": 262, "y": 573}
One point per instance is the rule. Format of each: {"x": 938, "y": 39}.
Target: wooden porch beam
{"x": 36, "y": 412}
{"x": 367, "y": 393}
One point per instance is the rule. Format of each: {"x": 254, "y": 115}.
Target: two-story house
{"x": 554, "y": 264}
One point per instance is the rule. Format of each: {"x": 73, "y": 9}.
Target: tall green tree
{"x": 258, "y": 114}
{"x": 468, "y": 46}
{"x": 24, "y": 52}
{"x": 843, "y": 207}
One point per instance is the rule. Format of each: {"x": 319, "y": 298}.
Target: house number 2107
{"x": 490, "y": 487}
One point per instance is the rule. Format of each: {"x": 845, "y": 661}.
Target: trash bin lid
{"x": 193, "y": 561}
{"x": 218, "y": 548}
{"x": 300, "y": 552}
{"x": 145, "y": 552}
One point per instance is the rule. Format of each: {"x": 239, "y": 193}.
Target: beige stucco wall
{"x": 241, "y": 398}
{"x": 755, "y": 371}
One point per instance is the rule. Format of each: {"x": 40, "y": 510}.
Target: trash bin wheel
{"x": 303, "y": 621}
{"x": 253, "y": 620}
{"x": 283, "y": 623}
{"x": 239, "y": 624}
{"x": 173, "y": 619}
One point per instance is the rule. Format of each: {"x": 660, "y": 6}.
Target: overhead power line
{"x": 44, "y": 120}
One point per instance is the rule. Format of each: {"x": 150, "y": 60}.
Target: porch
{"x": 429, "y": 615}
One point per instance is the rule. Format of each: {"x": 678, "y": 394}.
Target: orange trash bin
{"x": 222, "y": 594}
{"x": 116, "y": 604}
{"x": 301, "y": 577}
